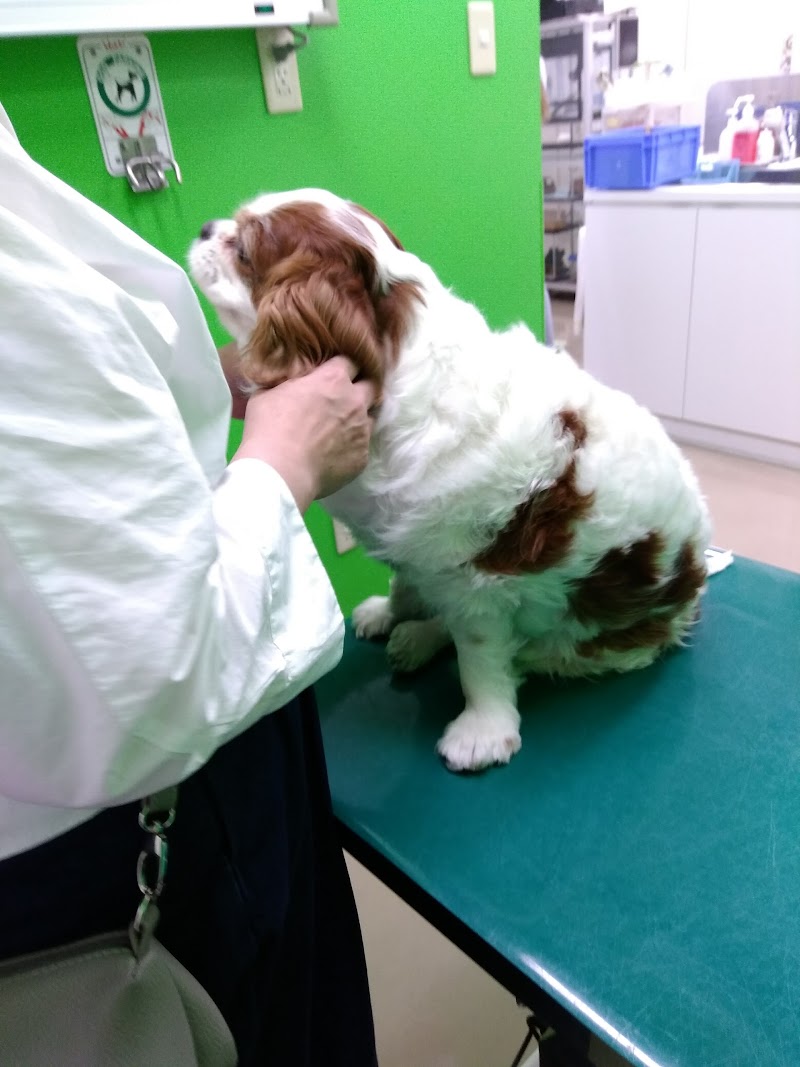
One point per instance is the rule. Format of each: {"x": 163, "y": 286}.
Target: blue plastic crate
{"x": 636, "y": 158}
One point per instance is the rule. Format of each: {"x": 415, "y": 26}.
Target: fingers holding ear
{"x": 365, "y": 389}
{"x": 347, "y": 365}
{"x": 369, "y": 394}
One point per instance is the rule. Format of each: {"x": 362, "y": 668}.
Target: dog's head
{"x": 300, "y": 277}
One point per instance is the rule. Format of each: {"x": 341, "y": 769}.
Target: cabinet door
{"x": 638, "y": 278}
{"x": 744, "y": 340}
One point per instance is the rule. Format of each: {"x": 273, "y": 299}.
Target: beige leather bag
{"x": 117, "y": 1000}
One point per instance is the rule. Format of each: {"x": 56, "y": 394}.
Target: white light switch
{"x": 482, "y": 52}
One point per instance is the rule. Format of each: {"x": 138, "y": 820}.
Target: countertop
{"x": 723, "y": 194}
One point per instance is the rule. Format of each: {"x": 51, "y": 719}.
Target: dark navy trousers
{"x": 257, "y": 906}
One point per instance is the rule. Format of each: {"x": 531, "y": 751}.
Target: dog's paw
{"x": 476, "y": 740}
{"x": 413, "y": 644}
{"x": 373, "y": 617}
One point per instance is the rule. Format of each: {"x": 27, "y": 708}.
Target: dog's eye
{"x": 241, "y": 255}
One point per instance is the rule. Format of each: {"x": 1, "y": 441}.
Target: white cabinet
{"x": 691, "y": 306}
{"x": 638, "y": 263}
{"x": 743, "y": 368}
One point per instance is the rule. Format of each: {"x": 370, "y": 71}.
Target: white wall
{"x": 715, "y": 39}
{"x": 724, "y": 39}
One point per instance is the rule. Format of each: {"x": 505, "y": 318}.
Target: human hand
{"x": 313, "y": 430}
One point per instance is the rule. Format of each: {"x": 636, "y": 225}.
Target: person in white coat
{"x": 162, "y": 615}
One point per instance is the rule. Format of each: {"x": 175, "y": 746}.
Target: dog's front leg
{"x": 378, "y": 615}
{"x": 487, "y": 730}
{"x": 416, "y": 636}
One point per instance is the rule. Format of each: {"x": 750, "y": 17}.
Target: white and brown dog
{"x": 538, "y": 519}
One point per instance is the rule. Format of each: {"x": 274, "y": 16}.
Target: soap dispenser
{"x": 765, "y": 149}
{"x": 726, "y": 137}
{"x": 745, "y": 139}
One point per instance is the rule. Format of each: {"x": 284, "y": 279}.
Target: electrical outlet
{"x": 281, "y": 77}
{"x": 343, "y": 536}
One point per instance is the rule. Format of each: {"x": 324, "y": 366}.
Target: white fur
{"x": 212, "y": 268}
{"x": 468, "y": 430}
{"x": 373, "y": 617}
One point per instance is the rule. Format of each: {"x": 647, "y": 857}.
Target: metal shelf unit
{"x": 580, "y": 55}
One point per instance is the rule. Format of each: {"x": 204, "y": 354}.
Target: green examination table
{"x": 635, "y": 871}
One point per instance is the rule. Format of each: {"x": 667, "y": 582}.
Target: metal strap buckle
{"x": 156, "y": 816}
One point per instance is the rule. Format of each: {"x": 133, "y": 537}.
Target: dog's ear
{"x": 394, "y": 310}
{"x": 318, "y": 293}
{"x": 310, "y": 311}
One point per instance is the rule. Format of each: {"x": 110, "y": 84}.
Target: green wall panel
{"x": 392, "y": 119}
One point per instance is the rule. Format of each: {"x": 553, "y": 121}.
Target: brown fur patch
{"x": 317, "y": 294}
{"x": 573, "y": 425}
{"x": 395, "y": 241}
{"x": 621, "y": 587}
{"x": 541, "y": 530}
{"x": 688, "y": 578}
{"x": 394, "y": 311}
{"x": 647, "y": 633}
{"x": 633, "y": 597}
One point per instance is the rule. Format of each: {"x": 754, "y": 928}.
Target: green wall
{"x": 392, "y": 119}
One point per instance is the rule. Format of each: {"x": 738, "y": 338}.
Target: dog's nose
{"x": 206, "y": 231}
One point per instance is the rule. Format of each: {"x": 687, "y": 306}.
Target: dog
{"x": 536, "y": 518}
{"x": 127, "y": 87}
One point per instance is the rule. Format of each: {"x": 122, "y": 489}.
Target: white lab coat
{"x": 152, "y": 603}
